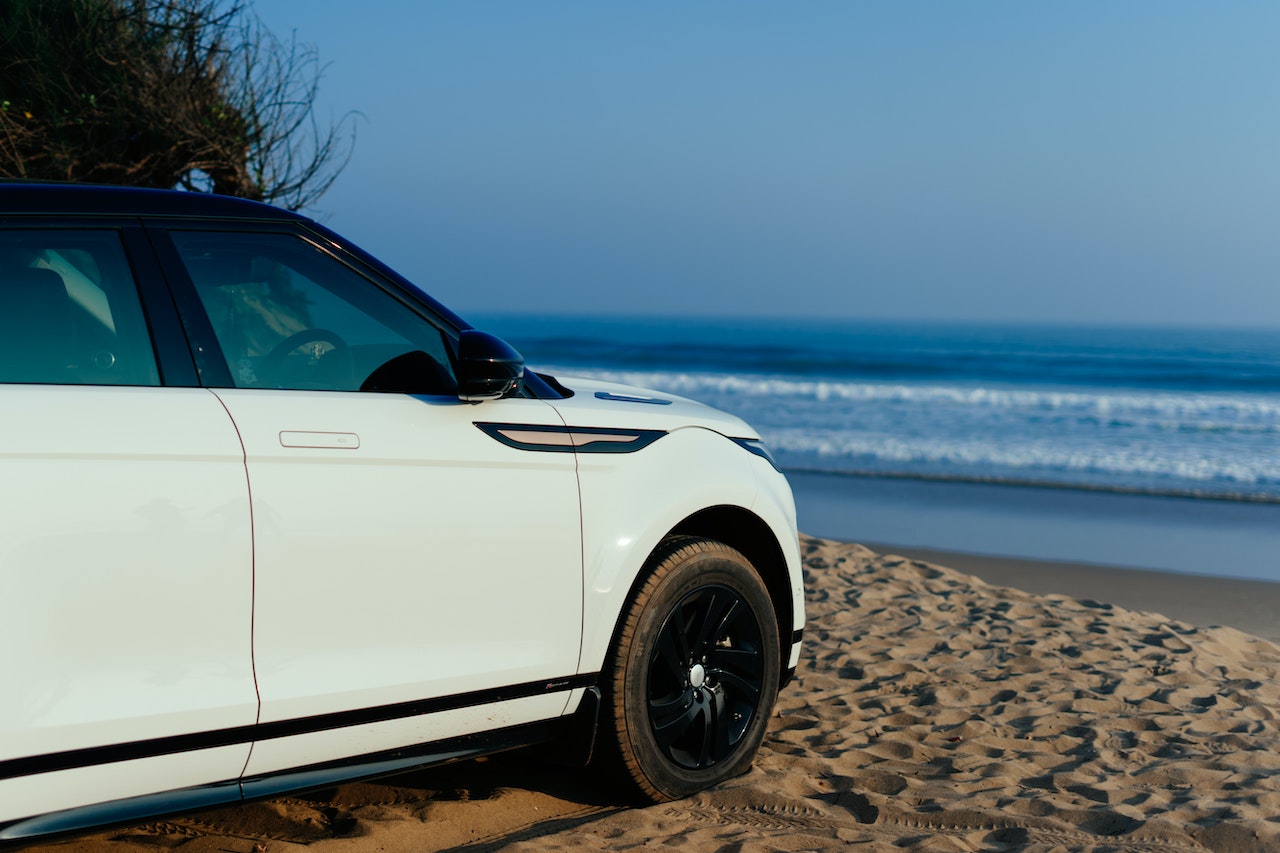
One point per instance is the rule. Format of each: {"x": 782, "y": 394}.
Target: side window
{"x": 287, "y": 315}
{"x": 69, "y": 311}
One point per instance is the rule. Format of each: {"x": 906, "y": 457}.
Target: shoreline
{"x": 1201, "y": 600}
{"x": 1205, "y": 538}
{"x": 1028, "y": 483}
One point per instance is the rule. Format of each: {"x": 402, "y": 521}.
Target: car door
{"x": 404, "y": 561}
{"x": 125, "y": 552}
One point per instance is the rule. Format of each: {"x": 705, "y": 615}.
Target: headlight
{"x": 757, "y": 447}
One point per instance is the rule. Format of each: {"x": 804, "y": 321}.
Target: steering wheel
{"x": 275, "y": 364}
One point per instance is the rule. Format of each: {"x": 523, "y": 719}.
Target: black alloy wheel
{"x": 693, "y": 674}
{"x": 706, "y": 676}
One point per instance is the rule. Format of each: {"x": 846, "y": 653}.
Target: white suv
{"x": 273, "y": 518}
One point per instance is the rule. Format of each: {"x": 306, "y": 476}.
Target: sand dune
{"x": 932, "y": 712}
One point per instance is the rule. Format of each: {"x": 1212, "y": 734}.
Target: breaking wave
{"x": 1205, "y": 444}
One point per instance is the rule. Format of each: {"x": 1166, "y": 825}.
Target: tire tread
{"x": 617, "y": 754}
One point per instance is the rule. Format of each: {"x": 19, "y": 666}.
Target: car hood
{"x": 609, "y": 404}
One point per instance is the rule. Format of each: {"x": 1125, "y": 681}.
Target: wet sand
{"x": 1187, "y": 535}
{"x": 1251, "y": 606}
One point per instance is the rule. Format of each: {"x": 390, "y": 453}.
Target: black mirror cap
{"x": 489, "y": 368}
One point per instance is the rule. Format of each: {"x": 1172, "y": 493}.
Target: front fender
{"x": 630, "y": 502}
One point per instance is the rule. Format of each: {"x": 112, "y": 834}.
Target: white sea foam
{"x": 870, "y": 453}
{"x": 1175, "y": 441}
{"x": 1184, "y": 407}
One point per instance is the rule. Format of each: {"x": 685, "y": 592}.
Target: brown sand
{"x": 932, "y": 712}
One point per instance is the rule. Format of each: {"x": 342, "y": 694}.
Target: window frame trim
{"x": 204, "y": 347}
{"x": 169, "y": 345}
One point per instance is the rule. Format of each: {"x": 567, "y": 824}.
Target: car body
{"x": 274, "y": 518}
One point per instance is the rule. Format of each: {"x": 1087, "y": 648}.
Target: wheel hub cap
{"x": 705, "y": 677}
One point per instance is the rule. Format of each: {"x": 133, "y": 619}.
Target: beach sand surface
{"x": 1252, "y": 606}
{"x": 932, "y": 712}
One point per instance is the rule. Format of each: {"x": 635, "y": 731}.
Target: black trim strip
{"x": 797, "y": 636}
{"x": 184, "y": 800}
{"x": 418, "y": 707}
{"x": 570, "y": 439}
{"x": 118, "y": 813}
{"x": 31, "y": 765}
{"x": 377, "y": 764}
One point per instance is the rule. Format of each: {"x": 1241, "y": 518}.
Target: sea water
{"x": 1187, "y": 412}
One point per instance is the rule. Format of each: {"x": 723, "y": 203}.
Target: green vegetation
{"x": 163, "y": 93}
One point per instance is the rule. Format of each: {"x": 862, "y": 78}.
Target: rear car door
{"x": 405, "y": 562}
{"x": 125, "y": 553}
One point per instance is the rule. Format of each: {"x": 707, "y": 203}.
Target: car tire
{"x": 693, "y": 674}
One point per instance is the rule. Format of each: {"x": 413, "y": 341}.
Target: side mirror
{"x": 489, "y": 368}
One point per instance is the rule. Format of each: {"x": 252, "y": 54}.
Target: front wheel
{"x": 694, "y": 672}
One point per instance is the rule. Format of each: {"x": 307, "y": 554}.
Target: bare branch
{"x": 196, "y": 94}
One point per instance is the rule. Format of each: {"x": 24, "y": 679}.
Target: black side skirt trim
{"x": 396, "y": 760}
{"x": 91, "y": 756}
{"x": 150, "y": 806}
{"x": 118, "y": 813}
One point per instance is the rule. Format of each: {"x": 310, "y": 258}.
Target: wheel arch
{"x": 629, "y": 749}
{"x": 748, "y": 533}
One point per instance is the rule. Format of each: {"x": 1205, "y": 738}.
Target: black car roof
{"x": 71, "y": 199}
{"x": 23, "y": 198}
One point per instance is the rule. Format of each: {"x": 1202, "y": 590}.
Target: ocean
{"x": 1184, "y": 412}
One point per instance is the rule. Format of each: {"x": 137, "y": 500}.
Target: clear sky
{"x": 1114, "y": 162}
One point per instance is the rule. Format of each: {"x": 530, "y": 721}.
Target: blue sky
{"x": 1098, "y": 162}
